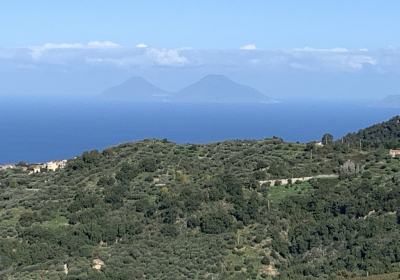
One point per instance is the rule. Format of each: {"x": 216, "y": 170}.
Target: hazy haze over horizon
{"x": 284, "y": 50}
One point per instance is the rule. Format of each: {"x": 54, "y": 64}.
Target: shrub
{"x": 265, "y": 260}
{"x": 238, "y": 267}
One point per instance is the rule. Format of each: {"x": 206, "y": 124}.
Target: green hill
{"x": 154, "y": 209}
{"x": 384, "y": 135}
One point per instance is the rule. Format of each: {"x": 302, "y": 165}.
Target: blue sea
{"x": 39, "y": 129}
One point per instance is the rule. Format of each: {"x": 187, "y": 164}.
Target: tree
{"x": 216, "y": 222}
{"x": 265, "y": 260}
{"x": 22, "y": 163}
{"x": 327, "y": 138}
{"x": 310, "y": 146}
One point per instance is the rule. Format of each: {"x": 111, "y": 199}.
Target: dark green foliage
{"x": 169, "y": 230}
{"x": 265, "y": 261}
{"x": 193, "y": 222}
{"x": 260, "y": 175}
{"x": 128, "y": 207}
{"x": 147, "y": 165}
{"x": 127, "y": 172}
{"x": 114, "y": 195}
{"x": 327, "y": 139}
{"x": 216, "y": 222}
{"x": 28, "y": 218}
{"x": 106, "y": 181}
{"x": 87, "y": 160}
{"x": 384, "y": 135}
{"x": 82, "y": 201}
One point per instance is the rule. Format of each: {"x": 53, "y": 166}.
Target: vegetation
{"x": 153, "y": 209}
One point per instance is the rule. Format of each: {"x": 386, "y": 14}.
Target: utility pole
{"x": 360, "y": 144}
{"x": 311, "y": 154}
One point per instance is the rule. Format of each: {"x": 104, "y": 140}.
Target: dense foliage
{"x": 384, "y": 135}
{"x": 238, "y": 209}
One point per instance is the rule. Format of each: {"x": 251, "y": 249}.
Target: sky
{"x": 282, "y": 48}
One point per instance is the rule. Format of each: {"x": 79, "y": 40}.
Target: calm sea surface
{"x": 38, "y": 130}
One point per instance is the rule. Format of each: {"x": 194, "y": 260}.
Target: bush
{"x": 265, "y": 260}
{"x": 216, "y": 222}
{"x": 169, "y": 230}
{"x": 238, "y": 267}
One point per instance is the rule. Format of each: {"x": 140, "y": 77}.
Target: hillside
{"x": 135, "y": 89}
{"x": 153, "y": 209}
{"x": 385, "y": 135}
{"x": 219, "y": 89}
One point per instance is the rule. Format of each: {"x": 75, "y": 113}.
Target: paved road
{"x": 286, "y": 181}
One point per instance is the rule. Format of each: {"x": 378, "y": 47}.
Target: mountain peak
{"x": 390, "y": 101}
{"x": 135, "y": 88}
{"x": 216, "y": 88}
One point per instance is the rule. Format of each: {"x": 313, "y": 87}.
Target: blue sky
{"x": 282, "y": 48}
{"x": 203, "y": 24}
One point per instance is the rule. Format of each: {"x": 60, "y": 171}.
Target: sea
{"x": 40, "y": 129}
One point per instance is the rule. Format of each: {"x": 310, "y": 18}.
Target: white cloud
{"x": 248, "y": 47}
{"x": 308, "y": 49}
{"x": 123, "y": 62}
{"x": 94, "y": 59}
{"x": 357, "y": 61}
{"x": 152, "y": 56}
{"x": 167, "y": 57}
{"x": 105, "y": 44}
{"x": 37, "y": 51}
{"x": 109, "y": 54}
{"x": 141, "y": 45}
{"x": 184, "y": 49}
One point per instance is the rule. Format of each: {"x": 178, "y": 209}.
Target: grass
{"x": 276, "y": 193}
{"x": 248, "y": 254}
{"x": 56, "y": 222}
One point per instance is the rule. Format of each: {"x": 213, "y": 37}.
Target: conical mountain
{"x": 219, "y": 89}
{"x": 135, "y": 89}
{"x": 390, "y": 101}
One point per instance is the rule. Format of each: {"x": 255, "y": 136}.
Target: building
{"x": 393, "y": 153}
{"x": 53, "y": 165}
{"x": 8, "y": 165}
{"x": 318, "y": 143}
{"x": 37, "y": 168}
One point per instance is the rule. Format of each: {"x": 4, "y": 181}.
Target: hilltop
{"x": 219, "y": 89}
{"x": 154, "y": 209}
{"x": 135, "y": 89}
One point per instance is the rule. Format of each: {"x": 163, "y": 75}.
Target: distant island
{"x": 390, "y": 101}
{"x": 210, "y": 89}
{"x": 135, "y": 89}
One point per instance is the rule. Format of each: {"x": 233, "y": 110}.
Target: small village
{"x": 37, "y": 167}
